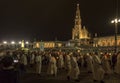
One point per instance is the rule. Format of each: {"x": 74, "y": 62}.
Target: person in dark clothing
{"x": 114, "y": 60}
{"x": 8, "y": 74}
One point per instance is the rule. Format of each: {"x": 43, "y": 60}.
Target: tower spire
{"x": 78, "y": 32}
{"x": 78, "y": 18}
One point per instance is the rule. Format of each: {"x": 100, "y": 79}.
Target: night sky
{"x": 48, "y": 20}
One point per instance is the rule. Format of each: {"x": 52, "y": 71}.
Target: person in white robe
{"x": 117, "y": 67}
{"x": 97, "y": 71}
{"x": 75, "y": 71}
{"x": 52, "y": 67}
{"x": 60, "y": 61}
{"x": 106, "y": 64}
{"x": 38, "y": 60}
{"x": 68, "y": 65}
{"x": 89, "y": 63}
{"x": 23, "y": 62}
{"x": 32, "y": 59}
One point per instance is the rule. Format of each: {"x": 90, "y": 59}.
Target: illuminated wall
{"x": 45, "y": 44}
{"x": 107, "y": 41}
{"x": 49, "y": 45}
{"x": 79, "y": 32}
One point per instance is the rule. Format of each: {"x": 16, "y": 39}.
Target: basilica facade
{"x": 80, "y": 37}
{"x": 79, "y": 32}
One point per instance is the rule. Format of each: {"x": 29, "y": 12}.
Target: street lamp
{"x": 20, "y": 42}
{"x": 4, "y": 42}
{"x": 116, "y": 21}
{"x": 26, "y": 42}
{"x": 12, "y": 42}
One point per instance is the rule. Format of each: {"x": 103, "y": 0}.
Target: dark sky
{"x": 50, "y": 19}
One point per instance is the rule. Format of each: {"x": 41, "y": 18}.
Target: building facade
{"x": 80, "y": 35}
{"x": 47, "y": 44}
{"x": 79, "y": 32}
{"x": 106, "y": 41}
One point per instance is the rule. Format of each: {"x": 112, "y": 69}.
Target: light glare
{"x": 4, "y": 42}
{"x": 12, "y": 42}
{"x": 27, "y": 42}
{"x": 119, "y": 20}
{"x": 112, "y": 21}
{"x": 116, "y": 21}
{"x": 20, "y": 42}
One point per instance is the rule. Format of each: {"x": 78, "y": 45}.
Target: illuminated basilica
{"x": 80, "y": 36}
{"x": 78, "y": 31}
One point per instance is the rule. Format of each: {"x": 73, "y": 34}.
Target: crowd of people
{"x": 98, "y": 64}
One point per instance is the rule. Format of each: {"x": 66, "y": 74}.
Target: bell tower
{"x": 77, "y": 27}
{"x": 78, "y": 32}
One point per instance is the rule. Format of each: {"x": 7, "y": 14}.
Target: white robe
{"x": 23, "y": 60}
{"x": 38, "y": 61}
{"x": 106, "y": 65}
{"x": 68, "y": 64}
{"x": 98, "y": 72}
{"x": 60, "y": 61}
{"x": 52, "y": 68}
{"x": 89, "y": 63}
{"x": 117, "y": 67}
{"x": 74, "y": 69}
{"x": 32, "y": 58}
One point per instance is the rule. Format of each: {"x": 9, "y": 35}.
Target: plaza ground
{"x": 31, "y": 77}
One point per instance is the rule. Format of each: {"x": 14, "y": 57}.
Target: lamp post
{"x": 13, "y": 44}
{"x": 5, "y": 43}
{"x": 27, "y": 44}
{"x": 116, "y": 21}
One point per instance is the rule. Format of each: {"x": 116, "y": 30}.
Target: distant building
{"x": 106, "y": 41}
{"x": 47, "y": 44}
{"x": 80, "y": 35}
{"x": 78, "y": 31}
